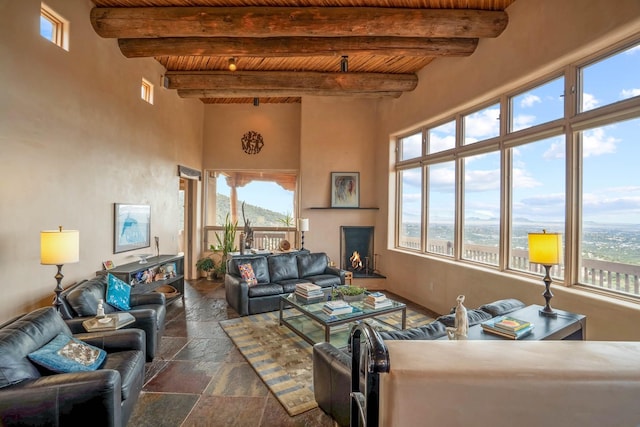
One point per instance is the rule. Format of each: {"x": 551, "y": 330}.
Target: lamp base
{"x": 547, "y": 294}
{"x": 546, "y": 313}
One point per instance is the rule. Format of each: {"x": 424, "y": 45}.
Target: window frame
{"x": 60, "y": 25}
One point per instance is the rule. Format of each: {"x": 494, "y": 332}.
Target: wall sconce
{"x": 58, "y": 247}
{"x": 344, "y": 64}
{"x": 546, "y": 249}
{"x": 232, "y": 64}
{"x": 303, "y": 225}
{"x": 256, "y": 102}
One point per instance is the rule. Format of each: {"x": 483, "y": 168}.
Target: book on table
{"x": 378, "y": 304}
{"x": 376, "y": 296}
{"x": 510, "y": 324}
{"x": 489, "y": 326}
{"x": 335, "y": 307}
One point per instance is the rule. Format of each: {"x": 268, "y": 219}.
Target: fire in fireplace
{"x": 356, "y": 251}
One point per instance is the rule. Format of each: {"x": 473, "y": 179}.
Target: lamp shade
{"x": 545, "y": 248}
{"x": 303, "y": 224}
{"x": 58, "y": 247}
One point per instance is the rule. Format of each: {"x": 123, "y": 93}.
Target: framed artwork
{"x": 108, "y": 265}
{"x": 345, "y": 189}
{"x": 131, "y": 227}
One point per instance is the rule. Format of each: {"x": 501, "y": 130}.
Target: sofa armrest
{"x": 112, "y": 341}
{"x": 75, "y": 324}
{"x": 64, "y": 399}
{"x": 332, "y": 381}
{"x": 147, "y": 299}
{"x": 336, "y": 272}
{"x": 237, "y": 294}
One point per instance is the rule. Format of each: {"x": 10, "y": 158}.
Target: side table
{"x": 115, "y": 321}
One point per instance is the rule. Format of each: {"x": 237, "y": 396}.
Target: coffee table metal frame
{"x": 314, "y": 312}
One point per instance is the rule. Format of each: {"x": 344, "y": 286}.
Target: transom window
{"x": 561, "y": 155}
{"x": 146, "y": 91}
{"x": 54, "y": 27}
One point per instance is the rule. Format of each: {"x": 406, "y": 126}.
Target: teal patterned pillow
{"x": 66, "y": 354}
{"x": 118, "y": 293}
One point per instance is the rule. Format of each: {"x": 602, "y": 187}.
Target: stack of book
{"x": 508, "y": 327}
{"x": 335, "y": 307}
{"x": 377, "y": 300}
{"x": 309, "y": 293}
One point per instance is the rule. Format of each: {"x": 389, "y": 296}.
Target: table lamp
{"x": 59, "y": 247}
{"x": 546, "y": 249}
{"x": 303, "y": 225}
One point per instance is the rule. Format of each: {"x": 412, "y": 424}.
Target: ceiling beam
{"x": 284, "y": 83}
{"x": 145, "y": 22}
{"x": 276, "y": 93}
{"x": 296, "y": 46}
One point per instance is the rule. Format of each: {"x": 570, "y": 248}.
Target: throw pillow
{"x": 118, "y": 293}
{"x": 246, "y": 272}
{"x": 66, "y": 354}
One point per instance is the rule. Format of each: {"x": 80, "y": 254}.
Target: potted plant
{"x": 206, "y": 265}
{"x": 348, "y": 293}
{"x": 226, "y": 244}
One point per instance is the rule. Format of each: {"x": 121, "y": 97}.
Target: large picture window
{"x": 559, "y": 155}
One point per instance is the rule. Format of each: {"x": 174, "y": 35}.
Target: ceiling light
{"x": 232, "y": 64}
{"x": 344, "y": 64}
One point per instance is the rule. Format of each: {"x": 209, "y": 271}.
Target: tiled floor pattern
{"x": 200, "y": 378}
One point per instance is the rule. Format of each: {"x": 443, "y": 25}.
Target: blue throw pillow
{"x": 118, "y": 293}
{"x": 66, "y": 354}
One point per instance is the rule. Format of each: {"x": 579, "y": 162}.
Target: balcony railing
{"x": 267, "y": 239}
{"x": 608, "y": 275}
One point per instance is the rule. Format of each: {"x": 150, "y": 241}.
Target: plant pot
{"x": 353, "y": 298}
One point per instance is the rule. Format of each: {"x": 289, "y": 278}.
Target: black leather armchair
{"x": 30, "y": 395}
{"x": 80, "y": 302}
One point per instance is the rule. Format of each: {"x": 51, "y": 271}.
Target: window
{"x": 481, "y": 231}
{"x": 538, "y": 199}
{"x": 410, "y": 208}
{"x": 610, "y": 253}
{"x": 54, "y": 27}
{"x": 484, "y": 181}
{"x": 410, "y": 146}
{"x": 611, "y": 79}
{"x": 441, "y": 207}
{"x": 481, "y": 125}
{"x": 268, "y": 199}
{"x": 146, "y": 91}
{"x": 541, "y": 104}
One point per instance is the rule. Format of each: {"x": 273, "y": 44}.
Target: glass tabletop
{"x": 360, "y": 309}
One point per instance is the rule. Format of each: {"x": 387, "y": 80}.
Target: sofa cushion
{"x": 258, "y": 264}
{"x": 503, "y": 306}
{"x": 247, "y": 274}
{"x": 475, "y": 316}
{"x": 84, "y": 298}
{"x": 430, "y": 331}
{"x": 65, "y": 354}
{"x": 283, "y": 267}
{"x": 325, "y": 280}
{"x": 118, "y": 293}
{"x": 312, "y": 264}
{"x": 265, "y": 290}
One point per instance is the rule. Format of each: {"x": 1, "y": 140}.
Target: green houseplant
{"x": 207, "y": 265}
{"x": 348, "y": 292}
{"x": 226, "y": 244}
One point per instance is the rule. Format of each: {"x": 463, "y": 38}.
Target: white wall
{"x": 75, "y": 138}
{"x": 541, "y": 36}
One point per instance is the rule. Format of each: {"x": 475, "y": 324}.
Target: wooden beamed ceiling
{"x": 287, "y": 49}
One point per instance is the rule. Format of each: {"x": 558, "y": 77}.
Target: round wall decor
{"x": 252, "y": 142}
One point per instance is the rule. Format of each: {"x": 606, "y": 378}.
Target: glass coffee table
{"x": 314, "y": 325}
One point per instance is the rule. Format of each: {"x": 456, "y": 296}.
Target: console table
{"x": 127, "y": 272}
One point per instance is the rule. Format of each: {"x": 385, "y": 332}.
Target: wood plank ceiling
{"x": 284, "y": 49}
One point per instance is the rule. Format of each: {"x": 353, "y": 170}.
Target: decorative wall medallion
{"x": 252, "y": 142}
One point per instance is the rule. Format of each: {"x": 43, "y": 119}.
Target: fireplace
{"x": 356, "y": 251}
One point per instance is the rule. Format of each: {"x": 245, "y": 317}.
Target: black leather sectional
{"x": 277, "y": 274}
{"x": 332, "y": 366}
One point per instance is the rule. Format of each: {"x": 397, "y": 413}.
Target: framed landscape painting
{"x": 345, "y": 189}
{"x": 132, "y": 224}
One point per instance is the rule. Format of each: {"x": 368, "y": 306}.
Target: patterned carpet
{"x": 283, "y": 360}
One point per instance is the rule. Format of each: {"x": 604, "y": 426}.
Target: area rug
{"x": 283, "y": 360}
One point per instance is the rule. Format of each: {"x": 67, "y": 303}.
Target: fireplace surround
{"x": 358, "y": 241}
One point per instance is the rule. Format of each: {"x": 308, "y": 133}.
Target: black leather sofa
{"x": 80, "y": 302}
{"x": 33, "y": 396}
{"x": 277, "y": 274}
{"x": 332, "y": 366}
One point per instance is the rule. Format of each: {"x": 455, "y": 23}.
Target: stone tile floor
{"x": 200, "y": 378}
